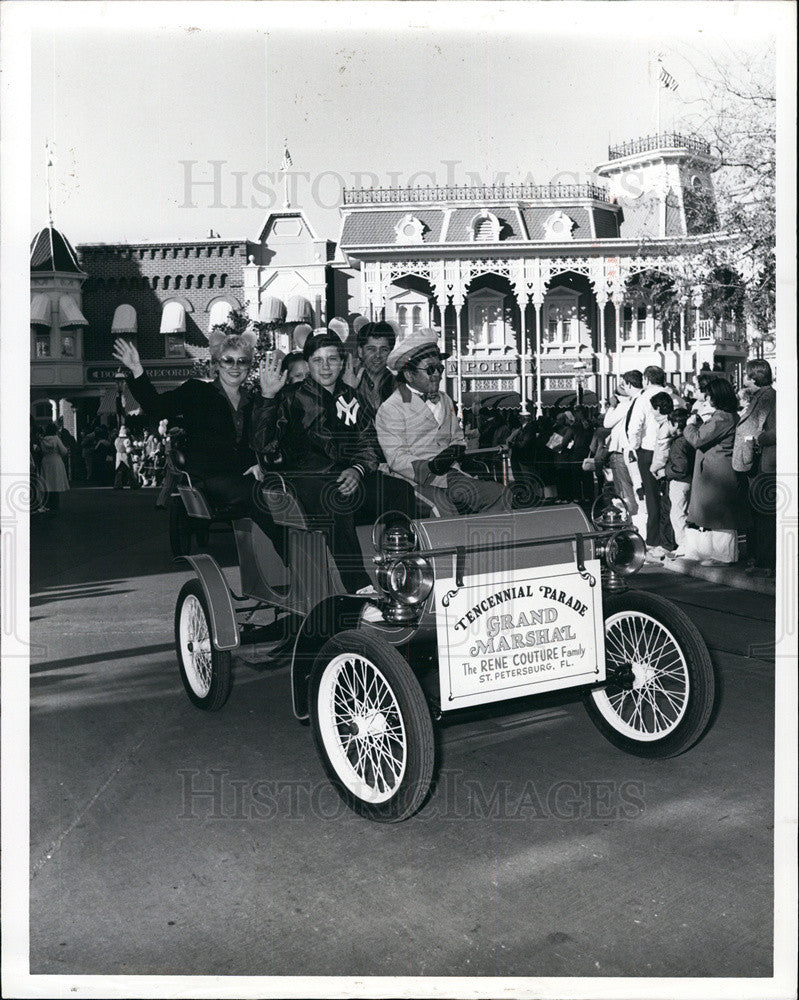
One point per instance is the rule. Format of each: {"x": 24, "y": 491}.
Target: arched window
{"x": 178, "y": 280}
{"x": 155, "y": 282}
{"x": 485, "y": 228}
{"x": 200, "y": 280}
{"x": 211, "y": 280}
{"x": 189, "y": 280}
{"x": 562, "y": 322}
{"x": 402, "y": 321}
{"x": 222, "y": 280}
{"x": 487, "y": 319}
{"x": 166, "y": 282}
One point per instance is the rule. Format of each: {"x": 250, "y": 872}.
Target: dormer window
{"x": 485, "y": 228}
{"x": 410, "y": 230}
{"x": 558, "y": 227}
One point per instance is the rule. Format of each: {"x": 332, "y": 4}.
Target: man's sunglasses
{"x": 430, "y": 369}
{"x": 228, "y": 362}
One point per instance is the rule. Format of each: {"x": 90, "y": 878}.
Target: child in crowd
{"x": 679, "y": 472}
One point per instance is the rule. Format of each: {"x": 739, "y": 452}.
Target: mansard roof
{"x": 520, "y": 213}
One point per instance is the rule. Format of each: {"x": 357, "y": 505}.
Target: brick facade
{"x": 147, "y": 275}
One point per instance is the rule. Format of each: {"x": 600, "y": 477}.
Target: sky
{"x": 165, "y": 132}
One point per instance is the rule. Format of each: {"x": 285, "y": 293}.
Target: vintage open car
{"x": 470, "y": 610}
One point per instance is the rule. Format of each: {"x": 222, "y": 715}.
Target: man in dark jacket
{"x": 330, "y": 450}
{"x": 375, "y": 382}
{"x": 755, "y": 455}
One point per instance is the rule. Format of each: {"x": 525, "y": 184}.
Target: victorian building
{"x": 538, "y": 290}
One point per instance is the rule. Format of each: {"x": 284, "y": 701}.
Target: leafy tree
{"x": 735, "y": 110}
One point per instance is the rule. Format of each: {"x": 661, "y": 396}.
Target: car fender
{"x": 224, "y": 627}
{"x": 332, "y": 615}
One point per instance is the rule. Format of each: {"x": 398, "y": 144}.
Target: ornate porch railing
{"x": 663, "y": 140}
{"x": 480, "y": 192}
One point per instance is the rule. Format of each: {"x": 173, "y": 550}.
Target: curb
{"x": 728, "y": 576}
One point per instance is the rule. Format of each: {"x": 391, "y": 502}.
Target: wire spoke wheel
{"x": 665, "y": 704}
{"x": 204, "y": 670}
{"x": 371, "y": 726}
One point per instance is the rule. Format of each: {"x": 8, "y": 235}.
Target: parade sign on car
{"x": 508, "y": 635}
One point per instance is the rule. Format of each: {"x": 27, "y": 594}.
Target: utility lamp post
{"x": 579, "y": 374}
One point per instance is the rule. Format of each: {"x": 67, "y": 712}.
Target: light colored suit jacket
{"x": 410, "y": 435}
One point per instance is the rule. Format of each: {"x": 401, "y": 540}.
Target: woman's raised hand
{"x": 127, "y": 355}
{"x": 272, "y": 379}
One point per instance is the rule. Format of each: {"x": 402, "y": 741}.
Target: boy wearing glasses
{"x": 420, "y": 435}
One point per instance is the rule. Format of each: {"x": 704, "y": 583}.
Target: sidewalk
{"x": 729, "y": 576}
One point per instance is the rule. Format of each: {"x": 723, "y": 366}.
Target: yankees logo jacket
{"x": 317, "y": 430}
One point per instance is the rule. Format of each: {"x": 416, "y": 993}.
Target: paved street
{"x": 543, "y": 851}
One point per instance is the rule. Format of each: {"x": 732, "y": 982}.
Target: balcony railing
{"x": 480, "y": 192}
{"x": 663, "y": 140}
{"x": 709, "y": 330}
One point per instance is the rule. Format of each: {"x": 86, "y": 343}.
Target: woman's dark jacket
{"x": 214, "y": 445}
{"x": 680, "y": 463}
{"x": 317, "y": 430}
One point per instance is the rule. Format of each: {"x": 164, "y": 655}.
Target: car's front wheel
{"x": 661, "y": 687}
{"x": 205, "y": 671}
{"x": 371, "y": 726}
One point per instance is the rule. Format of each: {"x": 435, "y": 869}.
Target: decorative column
{"x": 618, "y": 304}
{"x": 697, "y": 298}
{"x": 521, "y": 298}
{"x": 457, "y": 301}
{"x": 601, "y": 302}
{"x": 538, "y": 302}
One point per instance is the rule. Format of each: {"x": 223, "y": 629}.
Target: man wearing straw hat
{"x": 421, "y": 437}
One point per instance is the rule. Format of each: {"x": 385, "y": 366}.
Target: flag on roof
{"x": 667, "y": 79}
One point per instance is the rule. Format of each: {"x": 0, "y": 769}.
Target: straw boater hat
{"x": 422, "y": 344}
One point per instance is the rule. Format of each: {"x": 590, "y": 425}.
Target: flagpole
{"x": 47, "y": 165}
{"x": 286, "y": 202}
{"x": 657, "y": 88}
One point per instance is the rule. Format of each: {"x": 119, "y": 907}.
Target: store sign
{"x": 483, "y": 367}
{"x": 503, "y": 637}
{"x": 162, "y": 372}
{"x": 493, "y": 385}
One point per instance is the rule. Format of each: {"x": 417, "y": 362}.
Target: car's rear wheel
{"x": 205, "y": 671}
{"x": 661, "y": 688}
{"x": 371, "y": 726}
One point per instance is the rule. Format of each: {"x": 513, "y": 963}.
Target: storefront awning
{"x": 173, "y": 318}
{"x": 299, "y": 310}
{"x": 69, "y": 314}
{"x": 40, "y": 311}
{"x": 273, "y": 310}
{"x": 219, "y": 314}
{"x": 124, "y": 320}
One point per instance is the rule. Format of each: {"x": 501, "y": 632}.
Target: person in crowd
{"x": 576, "y": 442}
{"x": 679, "y": 470}
{"x": 617, "y": 421}
{"x": 103, "y": 458}
{"x": 642, "y": 433}
{"x": 70, "y": 444}
{"x": 124, "y": 477}
{"x": 702, "y": 405}
{"x": 169, "y": 480}
{"x": 330, "y": 453}
{"x": 754, "y": 458}
{"x": 150, "y": 449}
{"x": 375, "y": 382}
{"x": 663, "y": 405}
{"x": 88, "y": 441}
{"x": 716, "y": 503}
{"x": 420, "y": 435}
{"x": 53, "y": 471}
{"x": 295, "y": 366}
{"x": 217, "y": 419}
